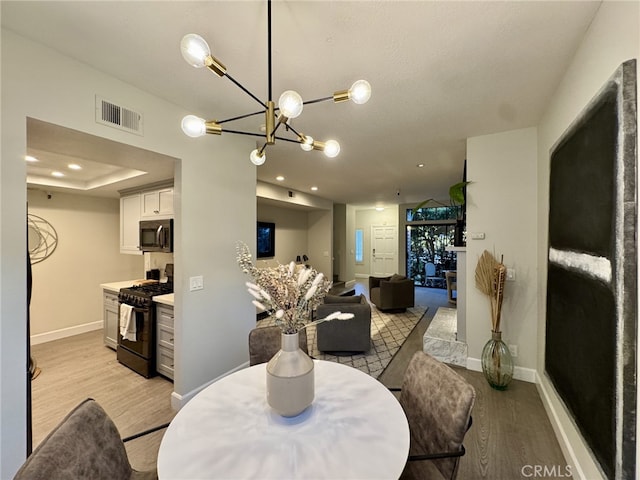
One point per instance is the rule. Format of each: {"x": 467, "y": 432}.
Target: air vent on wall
{"x": 113, "y": 115}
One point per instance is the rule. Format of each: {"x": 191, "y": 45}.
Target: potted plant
{"x": 497, "y": 363}
{"x": 289, "y": 295}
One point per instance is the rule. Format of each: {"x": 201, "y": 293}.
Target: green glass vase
{"x": 497, "y": 363}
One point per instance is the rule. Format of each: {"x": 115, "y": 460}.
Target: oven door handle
{"x": 137, "y": 309}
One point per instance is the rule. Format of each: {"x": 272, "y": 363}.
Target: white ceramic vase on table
{"x": 290, "y": 378}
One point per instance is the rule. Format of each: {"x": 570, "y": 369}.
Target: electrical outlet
{"x": 511, "y": 274}
{"x": 514, "y": 350}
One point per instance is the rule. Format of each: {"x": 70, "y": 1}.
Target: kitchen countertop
{"x": 166, "y": 299}
{"x": 116, "y": 286}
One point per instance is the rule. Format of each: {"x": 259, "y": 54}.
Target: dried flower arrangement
{"x": 490, "y": 278}
{"x": 287, "y": 295}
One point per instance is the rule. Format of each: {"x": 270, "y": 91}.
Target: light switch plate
{"x": 196, "y": 283}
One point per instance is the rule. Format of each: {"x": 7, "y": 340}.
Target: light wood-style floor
{"x": 78, "y": 367}
{"x": 510, "y": 429}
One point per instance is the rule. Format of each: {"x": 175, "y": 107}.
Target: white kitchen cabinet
{"x": 130, "y": 224}
{"x": 164, "y": 343}
{"x": 157, "y": 204}
{"x": 110, "y": 318}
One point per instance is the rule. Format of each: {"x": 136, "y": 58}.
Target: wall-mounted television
{"x": 266, "y": 239}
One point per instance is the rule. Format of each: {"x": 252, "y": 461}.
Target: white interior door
{"x": 384, "y": 251}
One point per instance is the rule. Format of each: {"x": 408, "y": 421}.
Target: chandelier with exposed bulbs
{"x": 196, "y": 52}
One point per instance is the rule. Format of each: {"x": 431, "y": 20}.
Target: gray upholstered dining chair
{"x": 438, "y": 403}
{"x": 265, "y": 342}
{"x": 86, "y": 444}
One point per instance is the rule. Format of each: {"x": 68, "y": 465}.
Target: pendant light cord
{"x": 269, "y": 47}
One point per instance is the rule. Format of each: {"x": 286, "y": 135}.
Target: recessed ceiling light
{"x": 74, "y": 166}
{"x": 29, "y": 158}
{"x": 280, "y": 178}
{"x": 57, "y": 174}
{"x": 379, "y": 209}
{"x": 420, "y": 165}
{"x": 314, "y": 188}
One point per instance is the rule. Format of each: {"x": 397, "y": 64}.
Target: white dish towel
{"x": 127, "y": 322}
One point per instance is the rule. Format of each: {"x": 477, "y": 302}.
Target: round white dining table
{"x": 355, "y": 429}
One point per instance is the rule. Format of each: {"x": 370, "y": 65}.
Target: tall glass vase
{"x": 290, "y": 378}
{"x": 497, "y": 363}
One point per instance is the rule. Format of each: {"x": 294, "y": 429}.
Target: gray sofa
{"x": 392, "y": 293}
{"x": 353, "y": 335}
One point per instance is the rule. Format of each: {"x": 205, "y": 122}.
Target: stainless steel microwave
{"x": 156, "y": 235}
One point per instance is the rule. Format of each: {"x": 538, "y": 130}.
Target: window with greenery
{"x": 433, "y": 213}
{"x": 429, "y": 232}
{"x": 359, "y": 245}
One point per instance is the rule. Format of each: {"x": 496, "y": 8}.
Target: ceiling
{"x": 440, "y": 71}
{"x": 106, "y": 166}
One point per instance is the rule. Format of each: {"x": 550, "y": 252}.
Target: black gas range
{"x": 137, "y": 344}
{"x": 142, "y": 295}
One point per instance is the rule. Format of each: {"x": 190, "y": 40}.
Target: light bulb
{"x": 256, "y": 158}
{"x": 193, "y": 126}
{"x": 290, "y": 104}
{"x": 307, "y": 143}
{"x": 331, "y": 148}
{"x": 360, "y": 92}
{"x": 194, "y": 50}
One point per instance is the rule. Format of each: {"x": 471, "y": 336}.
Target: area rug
{"x": 388, "y": 332}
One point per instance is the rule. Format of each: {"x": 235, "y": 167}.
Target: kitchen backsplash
{"x": 156, "y": 260}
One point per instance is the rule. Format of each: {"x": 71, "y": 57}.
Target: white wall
{"x": 291, "y": 233}
{"x": 320, "y": 241}
{"x": 350, "y": 228}
{"x": 66, "y": 285}
{"x": 612, "y": 38}
{"x": 318, "y": 223}
{"x": 212, "y": 324}
{"x": 501, "y": 203}
{"x": 344, "y": 242}
{"x": 340, "y": 250}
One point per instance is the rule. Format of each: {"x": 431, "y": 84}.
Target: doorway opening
{"x": 429, "y": 232}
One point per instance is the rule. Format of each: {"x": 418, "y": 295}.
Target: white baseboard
{"x": 65, "y": 332}
{"x": 519, "y": 373}
{"x": 576, "y": 452}
{"x": 362, "y": 275}
{"x": 349, "y": 283}
{"x": 178, "y": 401}
{"x": 561, "y": 435}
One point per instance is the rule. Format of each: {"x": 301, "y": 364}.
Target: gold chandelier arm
{"x": 341, "y": 96}
{"x": 261, "y": 112}
{"x": 215, "y": 65}
{"x": 212, "y": 127}
{"x": 319, "y": 145}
